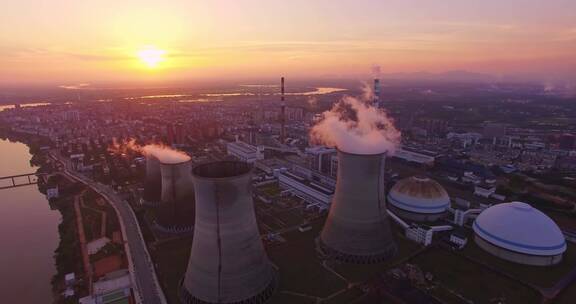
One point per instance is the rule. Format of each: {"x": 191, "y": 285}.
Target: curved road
{"x": 147, "y": 290}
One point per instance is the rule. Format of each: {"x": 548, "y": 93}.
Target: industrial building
{"x": 175, "y": 212}
{"x": 310, "y": 191}
{"x": 419, "y": 199}
{"x": 113, "y": 288}
{"x": 416, "y": 155}
{"x": 519, "y": 233}
{"x": 244, "y": 152}
{"x": 227, "y": 262}
{"x": 357, "y": 229}
{"x": 319, "y": 158}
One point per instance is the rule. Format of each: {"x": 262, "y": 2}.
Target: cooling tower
{"x": 357, "y": 228}
{"x": 153, "y": 181}
{"x": 176, "y": 210}
{"x": 227, "y": 263}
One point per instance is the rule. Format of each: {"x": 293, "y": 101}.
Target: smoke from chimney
{"x": 355, "y": 126}
{"x": 165, "y": 154}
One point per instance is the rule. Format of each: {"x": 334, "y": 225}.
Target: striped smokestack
{"x": 377, "y": 101}
{"x": 282, "y": 112}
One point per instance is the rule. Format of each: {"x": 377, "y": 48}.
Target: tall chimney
{"x": 357, "y": 228}
{"x": 227, "y": 262}
{"x": 282, "y": 112}
{"x": 176, "y": 210}
{"x": 377, "y": 101}
{"x": 153, "y": 180}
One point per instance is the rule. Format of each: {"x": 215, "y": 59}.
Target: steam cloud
{"x": 312, "y": 101}
{"x": 163, "y": 153}
{"x": 355, "y": 126}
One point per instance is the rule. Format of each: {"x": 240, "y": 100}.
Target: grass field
{"x": 301, "y": 269}
{"x": 567, "y": 296}
{"x": 171, "y": 259}
{"x": 540, "y": 276}
{"x": 270, "y": 190}
{"x": 471, "y": 280}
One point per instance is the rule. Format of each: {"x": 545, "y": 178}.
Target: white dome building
{"x": 519, "y": 233}
{"x": 418, "y": 199}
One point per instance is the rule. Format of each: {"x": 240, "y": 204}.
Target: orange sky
{"x": 65, "y": 41}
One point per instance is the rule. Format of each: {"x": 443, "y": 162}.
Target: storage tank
{"x": 519, "y": 233}
{"x": 419, "y": 199}
{"x": 176, "y": 210}
{"x": 357, "y": 229}
{"x": 227, "y": 263}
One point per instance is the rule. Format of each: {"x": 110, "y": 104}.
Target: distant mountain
{"x": 452, "y": 76}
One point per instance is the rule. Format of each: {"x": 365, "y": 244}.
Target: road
{"x": 147, "y": 289}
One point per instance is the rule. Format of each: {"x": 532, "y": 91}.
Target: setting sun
{"x": 151, "y": 56}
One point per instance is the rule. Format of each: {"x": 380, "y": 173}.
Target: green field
{"x": 301, "y": 270}
{"x": 536, "y": 275}
{"x": 567, "y": 296}
{"x": 171, "y": 259}
{"x": 471, "y": 280}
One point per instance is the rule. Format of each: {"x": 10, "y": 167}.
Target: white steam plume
{"x": 354, "y": 126}
{"x": 312, "y": 102}
{"x": 367, "y": 92}
{"x": 163, "y": 153}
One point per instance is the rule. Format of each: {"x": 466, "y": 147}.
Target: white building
{"x": 467, "y": 139}
{"x": 113, "y": 288}
{"x": 424, "y": 234}
{"x": 310, "y": 191}
{"x": 419, "y": 156}
{"x": 52, "y": 192}
{"x": 420, "y": 234}
{"x": 458, "y": 238}
{"x": 244, "y": 152}
{"x": 484, "y": 190}
{"x": 319, "y": 158}
{"x": 94, "y": 246}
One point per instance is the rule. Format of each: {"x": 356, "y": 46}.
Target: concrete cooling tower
{"x": 176, "y": 210}
{"x": 153, "y": 181}
{"x": 357, "y": 228}
{"x": 227, "y": 263}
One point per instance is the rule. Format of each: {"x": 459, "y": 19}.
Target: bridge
{"x": 13, "y": 181}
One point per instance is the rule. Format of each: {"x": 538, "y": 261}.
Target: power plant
{"x": 153, "y": 181}
{"x": 227, "y": 262}
{"x": 176, "y": 210}
{"x": 357, "y": 228}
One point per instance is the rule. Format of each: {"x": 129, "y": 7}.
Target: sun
{"x": 151, "y": 56}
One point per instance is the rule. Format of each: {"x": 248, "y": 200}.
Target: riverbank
{"x": 91, "y": 244}
{"x": 28, "y": 231}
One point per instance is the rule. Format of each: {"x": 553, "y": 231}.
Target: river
{"x": 28, "y": 233}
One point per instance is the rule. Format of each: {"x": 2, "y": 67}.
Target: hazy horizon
{"x": 69, "y": 42}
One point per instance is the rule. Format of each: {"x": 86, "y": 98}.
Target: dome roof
{"x": 420, "y": 195}
{"x": 518, "y": 227}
